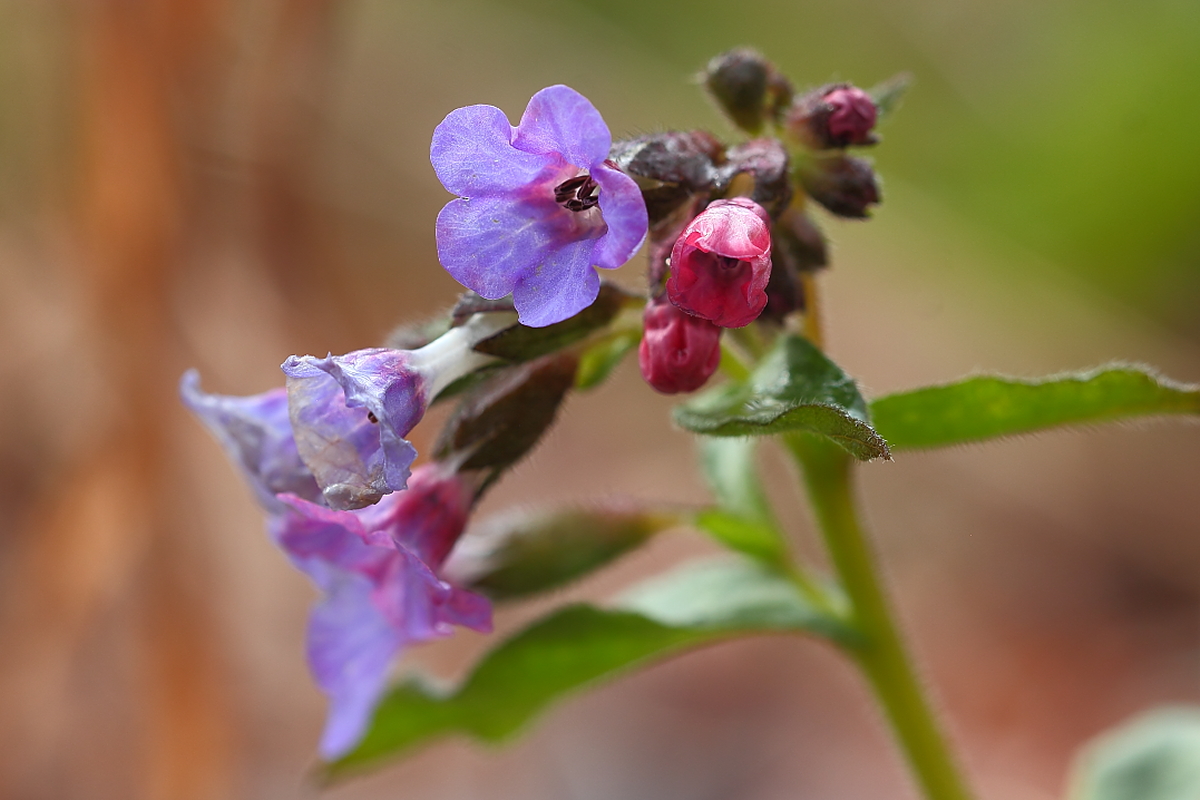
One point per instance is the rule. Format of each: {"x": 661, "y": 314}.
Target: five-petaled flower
{"x": 539, "y": 206}
{"x": 721, "y": 263}
{"x": 377, "y": 569}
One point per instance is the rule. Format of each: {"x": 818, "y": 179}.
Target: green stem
{"x": 880, "y": 652}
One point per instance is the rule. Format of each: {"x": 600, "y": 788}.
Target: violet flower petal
{"x": 563, "y": 285}
{"x": 488, "y": 243}
{"x": 624, "y": 213}
{"x": 559, "y": 119}
{"x": 472, "y": 153}
{"x": 351, "y": 645}
{"x": 256, "y": 434}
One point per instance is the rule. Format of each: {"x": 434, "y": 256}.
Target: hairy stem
{"x": 880, "y": 651}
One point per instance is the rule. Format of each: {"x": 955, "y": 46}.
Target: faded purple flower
{"x": 350, "y": 413}
{"x": 257, "y": 435}
{"x": 721, "y": 263}
{"x": 539, "y": 205}
{"x": 377, "y": 569}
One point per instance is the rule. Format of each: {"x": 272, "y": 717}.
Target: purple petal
{"x": 559, "y": 119}
{"x": 562, "y": 285}
{"x": 625, "y": 214}
{"x": 356, "y": 461}
{"x": 467, "y": 609}
{"x": 350, "y": 647}
{"x": 489, "y": 243}
{"x": 315, "y": 537}
{"x": 472, "y": 153}
{"x": 257, "y": 434}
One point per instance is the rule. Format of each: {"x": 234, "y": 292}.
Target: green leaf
{"x": 520, "y": 554}
{"x": 986, "y": 407}
{"x": 580, "y": 644}
{"x": 888, "y": 94}
{"x": 743, "y": 519}
{"x": 795, "y": 388}
{"x": 1154, "y": 757}
{"x": 598, "y": 361}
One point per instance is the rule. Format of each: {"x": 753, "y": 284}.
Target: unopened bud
{"x": 670, "y": 168}
{"x": 833, "y": 116}
{"x": 766, "y": 160}
{"x": 721, "y": 263}
{"x": 679, "y": 352}
{"x": 845, "y": 185}
{"x": 499, "y": 421}
{"x": 747, "y": 87}
{"x": 520, "y": 554}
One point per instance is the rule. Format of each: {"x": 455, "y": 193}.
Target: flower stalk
{"x": 879, "y": 650}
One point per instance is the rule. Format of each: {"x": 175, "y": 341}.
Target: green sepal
{"x": 1156, "y": 756}
{"x": 520, "y": 554}
{"x": 987, "y": 407}
{"x": 598, "y": 361}
{"x": 522, "y": 343}
{"x": 578, "y": 645}
{"x": 795, "y": 388}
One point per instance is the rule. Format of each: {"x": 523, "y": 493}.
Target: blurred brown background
{"x": 221, "y": 183}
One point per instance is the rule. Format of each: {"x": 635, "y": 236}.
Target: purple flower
{"x": 257, "y": 435}
{"x": 539, "y": 205}
{"x": 350, "y": 413}
{"x": 377, "y": 570}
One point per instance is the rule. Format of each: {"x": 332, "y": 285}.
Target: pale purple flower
{"x": 377, "y": 569}
{"x": 539, "y": 205}
{"x": 350, "y": 413}
{"x": 257, "y": 435}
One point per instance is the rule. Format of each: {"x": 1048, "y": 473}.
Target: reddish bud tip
{"x": 679, "y": 352}
{"x": 833, "y": 117}
{"x": 852, "y": 116}
{"x": 721, "y": 263}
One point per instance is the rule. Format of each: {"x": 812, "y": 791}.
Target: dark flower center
{"x": 577, "y": 194}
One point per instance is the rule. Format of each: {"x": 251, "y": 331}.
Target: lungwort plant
{"x": 733, "y": 253}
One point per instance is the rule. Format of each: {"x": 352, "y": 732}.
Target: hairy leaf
{"x": 795, "y": 388}
{"x": 580, "y": 644}
{"x": 986, "y": 407}
{"x": 1154, "y": 757}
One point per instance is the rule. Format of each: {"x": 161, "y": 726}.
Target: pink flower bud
{"x": 679, "y": 352}
{"x": 721, "y": 263}
{"x": 852, "y": 116}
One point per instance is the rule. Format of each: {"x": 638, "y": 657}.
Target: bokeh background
{"x": 221, "y": 183}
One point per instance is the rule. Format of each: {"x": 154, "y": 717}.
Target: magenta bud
{"x": 852, "y": 116}
{"x": 721, "y": 263}
{"x": 834, "y": 117}
{"x": 679, "y": 352}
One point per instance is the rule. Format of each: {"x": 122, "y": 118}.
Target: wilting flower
{"x": 257, "y": 434}
{"x": 377, "y": 569}
{"x": 721, "y": 263}
{"x": 539, "y": 205}
{"x": 350, "y": 413}
{"x": 679, "y": 352}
